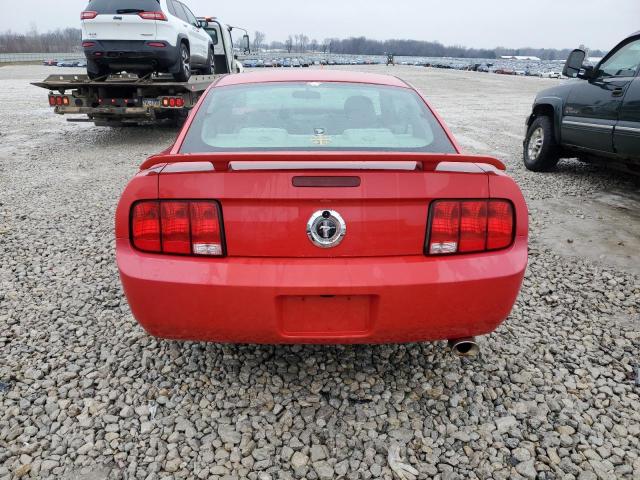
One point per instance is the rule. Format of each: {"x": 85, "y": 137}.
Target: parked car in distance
{"x": 50, "y": 62}
{"x": 550, "y": 75}
{"x": 300, "y": 206}
{"x": 144, "y": 36}
{"x": 67, "y": 63}
{"x": 595, "y": 117}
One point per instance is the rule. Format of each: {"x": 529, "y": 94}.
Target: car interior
{"x": 303, "y": 118}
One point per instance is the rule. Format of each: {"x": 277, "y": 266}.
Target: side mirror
{"x": 202, "y": 24}
{"x": 574, "y": 63}
{"x": 245, "y": 43}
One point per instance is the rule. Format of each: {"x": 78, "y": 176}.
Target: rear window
{"x": 314, "y": 116}
{"x": 123, "y": 6}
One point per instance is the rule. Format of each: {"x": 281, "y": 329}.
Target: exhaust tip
{"x": 464, "y": 347}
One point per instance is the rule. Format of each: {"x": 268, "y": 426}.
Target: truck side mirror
{"x": 203, "y": 23}
{"x": 574, "y": 63}
{"x": 245, "y": 43}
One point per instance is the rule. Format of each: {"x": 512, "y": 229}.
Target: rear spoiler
{"x": 221, "y": 161}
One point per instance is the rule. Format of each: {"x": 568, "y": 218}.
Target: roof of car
{"x": 311, "y": 75}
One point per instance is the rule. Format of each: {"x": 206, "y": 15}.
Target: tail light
{"x": 88, "y": 15}
{"x": 153, "y": 16}
{"x": 173, "y": 102}
{"x": 467, "y": 226}
{"x": 183, "y": 227}
{"x": 59, "y": 100}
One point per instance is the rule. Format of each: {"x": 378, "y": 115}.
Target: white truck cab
{"x": 224, "y": 59}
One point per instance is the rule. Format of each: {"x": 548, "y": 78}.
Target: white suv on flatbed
{"x": 144, "y": 36}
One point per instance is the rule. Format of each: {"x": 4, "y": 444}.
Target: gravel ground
{"x": 85, "y": 393}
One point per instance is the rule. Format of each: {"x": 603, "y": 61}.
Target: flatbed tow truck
{"x": 125, "y": 99}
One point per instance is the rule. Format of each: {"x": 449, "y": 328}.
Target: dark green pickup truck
{"x": 595, "y": 117}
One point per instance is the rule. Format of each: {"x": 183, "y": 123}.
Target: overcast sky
{"x": 472, "y": 23}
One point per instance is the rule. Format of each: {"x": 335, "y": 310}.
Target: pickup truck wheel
{"x": 540, "y": 147}
{"x": 184, "y": 74}
{"x": 208, "y": 67}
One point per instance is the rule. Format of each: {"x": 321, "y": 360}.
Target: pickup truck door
{"x": 626, "y": 136}
{"x": 592, "y": 108}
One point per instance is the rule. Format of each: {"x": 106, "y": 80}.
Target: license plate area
{"x": 151, "y": 102}
{"x": 325, "y": 315}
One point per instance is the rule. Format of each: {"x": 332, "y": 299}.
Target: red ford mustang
{"x": 320, "y": 207}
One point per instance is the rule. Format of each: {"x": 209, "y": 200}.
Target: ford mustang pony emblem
{"x": 326, "y": 228}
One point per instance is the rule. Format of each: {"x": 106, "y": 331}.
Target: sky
{"x": 471, "y": 23}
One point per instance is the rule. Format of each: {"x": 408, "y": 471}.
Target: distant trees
{"x": 418, "y": 48}
{"x": 258, "y": 40}
{"x": 67, "y": 40}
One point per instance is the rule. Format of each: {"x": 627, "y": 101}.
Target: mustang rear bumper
{"x": 338, "y": 300}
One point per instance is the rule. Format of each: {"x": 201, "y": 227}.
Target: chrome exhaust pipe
{"x": 464, "y": 347}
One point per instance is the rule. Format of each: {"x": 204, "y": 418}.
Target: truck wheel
{"x": 208, "y": 69}
{"x": 540, "y": 147}
{"x": 184, "y": 74}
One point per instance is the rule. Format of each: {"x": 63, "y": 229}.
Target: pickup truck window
{"x": 623, "y": 63}
{"x": 313, "y": 116}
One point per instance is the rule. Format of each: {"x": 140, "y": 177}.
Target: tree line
{"x": 69, "y": 39}
{"x": 412, "y": 48}
{"x": 58, "y": 41}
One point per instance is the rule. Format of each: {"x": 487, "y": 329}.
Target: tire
{"x": 184, "y": 63}
{"x": 208, "y": 69}
{"x": 540, "y": 152}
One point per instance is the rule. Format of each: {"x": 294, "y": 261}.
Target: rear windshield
{"x": 123, "y": 6}
{"x": 314, "y": 116}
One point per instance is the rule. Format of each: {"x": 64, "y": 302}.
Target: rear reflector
{"x": 153, "y": 16}
{"x": 88, "y": 15}
{"x": 88, "y": 44}
{"x": 467, "y": 226}
{"x": 156, "y": 44}
{"x": 183, "y": 227}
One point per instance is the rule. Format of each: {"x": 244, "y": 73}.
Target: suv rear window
{"x": 314, "y": 116}
{"x": 123, "y": 6}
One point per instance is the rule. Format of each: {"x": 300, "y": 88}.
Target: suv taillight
{"x": 468, "y": 226}
{"x": 88, "y": 15}
{"x": 182, "y": 227}
{"x": 153, "y": 16}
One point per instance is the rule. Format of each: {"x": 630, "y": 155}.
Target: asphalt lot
{"x": 86, "y": 393}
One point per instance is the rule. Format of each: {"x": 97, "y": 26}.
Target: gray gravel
{"x": 86, "y": 394}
